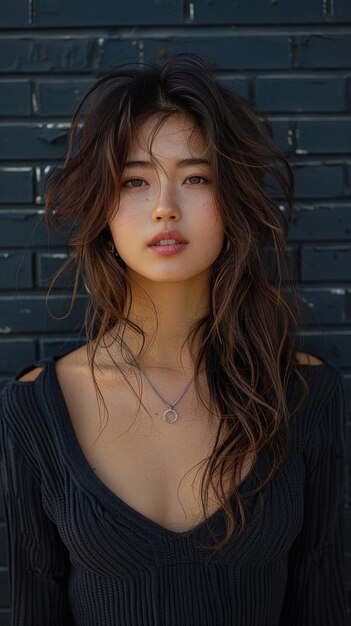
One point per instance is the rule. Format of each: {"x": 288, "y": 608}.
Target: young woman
{"x": 184, "y": 466}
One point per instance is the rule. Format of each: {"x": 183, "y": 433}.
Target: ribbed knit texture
{"x": 79, "y": 555}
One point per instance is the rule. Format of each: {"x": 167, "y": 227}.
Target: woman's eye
{"x": 133, "y": 182}
{"x": 196, "y": 180}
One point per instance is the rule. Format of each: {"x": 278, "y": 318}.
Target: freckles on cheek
{"x": 126, "y": 214}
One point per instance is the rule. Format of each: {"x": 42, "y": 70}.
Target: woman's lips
{"x": 169, "y": 249}
{"x": 167, "y": 235}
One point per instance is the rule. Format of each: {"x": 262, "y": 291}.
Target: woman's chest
{"x": 154, "y": 466}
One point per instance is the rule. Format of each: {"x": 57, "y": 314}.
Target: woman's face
{"x": 174, "y": 192}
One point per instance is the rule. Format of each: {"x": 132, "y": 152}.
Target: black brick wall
{"x": 292, "y": 60}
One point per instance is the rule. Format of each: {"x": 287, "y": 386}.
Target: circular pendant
{"x": 169, "y": 418}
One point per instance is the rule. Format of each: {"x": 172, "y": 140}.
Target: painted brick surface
{"x": 329, "y": 262}
{"x": 25, "y": 227}
{"x": 40, "y": 54}
{"x": 15, "y": 97}
{"x": 15, "y": 271}
{"x": 303, "y": 93}
{"x": 16, "y": 184}
{"x": 292, "y": 60}
{"x": 317, "y": 222}
{"x": 32, "y": 141}
{"x": 59, "y": 97}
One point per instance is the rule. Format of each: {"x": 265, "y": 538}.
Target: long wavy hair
{"x": 250, "y": 335}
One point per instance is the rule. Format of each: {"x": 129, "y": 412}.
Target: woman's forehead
{"x": 177, "y": 132}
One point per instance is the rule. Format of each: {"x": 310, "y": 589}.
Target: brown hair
{"x": 249, "y": 336}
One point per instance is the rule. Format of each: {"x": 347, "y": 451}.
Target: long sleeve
{"x": 38, "y": 561}
{"x": 315, "y": 591}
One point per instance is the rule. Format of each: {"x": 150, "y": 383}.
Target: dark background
{"x": 292, "y": 60}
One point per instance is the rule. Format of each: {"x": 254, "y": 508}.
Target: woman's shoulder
{"x": 321, "y": 375}
{"x": 21, "y": 402}
{"x": 315, "y": 367}
{"x": 323, "y": 409}
{"x": 26, "y": 399}
{"x": 31, "y": 371}
{"x": 305, "y": 358}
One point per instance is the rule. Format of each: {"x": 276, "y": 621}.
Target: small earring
{"x": 227, "y": 247}
{"x": 113, "y": 249}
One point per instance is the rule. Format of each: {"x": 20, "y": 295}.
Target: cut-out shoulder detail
{"x": 307, "y": 359}
{"x": 32, "y": 375}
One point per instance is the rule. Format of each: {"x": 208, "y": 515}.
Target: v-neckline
{"x": 91, "y": 482}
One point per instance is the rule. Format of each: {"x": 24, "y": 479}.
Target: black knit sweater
{"x": 79, "y": 555}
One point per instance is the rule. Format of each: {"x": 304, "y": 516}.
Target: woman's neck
{"x": 178, "y": 306}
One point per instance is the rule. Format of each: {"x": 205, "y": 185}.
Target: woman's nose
{"x": 166, "y": 205}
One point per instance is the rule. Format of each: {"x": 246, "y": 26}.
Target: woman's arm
{"x": 38, "y": 559}
{"x": 315, "y": 591}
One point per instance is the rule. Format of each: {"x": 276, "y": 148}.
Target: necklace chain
{"x": 170, "y": 407}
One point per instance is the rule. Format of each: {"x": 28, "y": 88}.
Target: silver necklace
{"x": 167, "y": 416}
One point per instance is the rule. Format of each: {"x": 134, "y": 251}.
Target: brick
{"x": 318, "y": 135}
{"x": 320, "y": 263}
{"x": 59, "y": 346}
{"x": 115, "y": 52}
{"x": 319, "y": 179}
{"x": 312, "y": 93}
{"x": 323, "y": 135}
{"x": 298, "y": 12}
{"x": 16, "y": 184}
{"x": 293, "y": 254}
{"x": 14, "y": 352}
{"x": 238, "y": 84}
{"x": 334, "y": 345}
{"x": 15, "y": 269}
{"x": 342, "y": 14}
{"x": 34, "y": 141}
{"x": 60, "y": 97}
{"x": 31, "y": 314}
{"x": 27, "y": 228}
{"x": 37, "y": 141}
{"x": 108, "y": 13}
{"x": 313, "y": 179}
{"x": 15, "y": 97}
{"x": 322, "y": 305}
{"x": 283, "y": 134}
{"x": 42, "y": 174}
{"x": 46, "y": 266}
{"x": 14, "y": 14}
{"x": 237, "y": 51}
{"x": 322, "y": 50}
{"x": 60, "y": 54}
{"x": 316, "y": 222}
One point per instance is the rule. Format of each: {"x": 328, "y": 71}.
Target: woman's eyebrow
{"x": 186, "y": 162}
{"x": 182, "y": 163}
{"x": 138, "y": 164}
